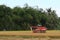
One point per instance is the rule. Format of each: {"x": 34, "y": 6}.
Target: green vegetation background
{"x": 22, "y": 18}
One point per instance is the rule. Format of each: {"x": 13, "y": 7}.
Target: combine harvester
{"x": 39, "y": 29}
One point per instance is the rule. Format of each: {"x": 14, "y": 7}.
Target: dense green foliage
{"x": 22, "y": 18}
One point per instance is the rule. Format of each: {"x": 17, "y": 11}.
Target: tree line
{"x": 22, "y": 18}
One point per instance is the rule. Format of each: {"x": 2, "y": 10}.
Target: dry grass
{"x": 30, "y": 33}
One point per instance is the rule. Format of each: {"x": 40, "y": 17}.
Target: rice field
{"x": 29, "y": 35}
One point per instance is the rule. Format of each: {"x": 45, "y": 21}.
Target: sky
{"x": 54, "y": 4}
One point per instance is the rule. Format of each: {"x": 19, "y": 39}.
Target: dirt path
{"x": 15, "y": 38}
